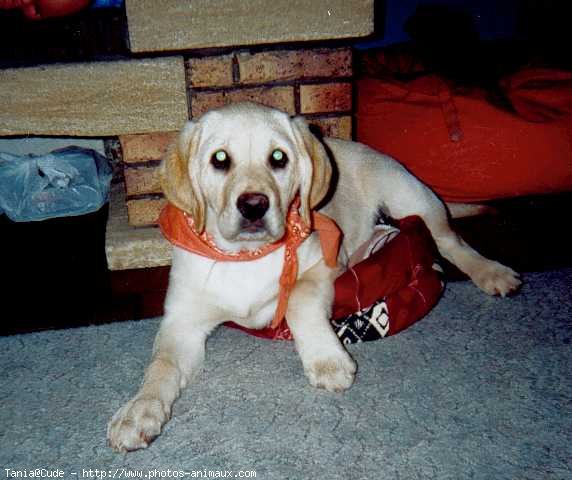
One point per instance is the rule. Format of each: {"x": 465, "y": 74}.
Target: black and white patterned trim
{"x": 371, "y": 323}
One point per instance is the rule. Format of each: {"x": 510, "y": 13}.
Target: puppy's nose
{"x": 252, "y": 205}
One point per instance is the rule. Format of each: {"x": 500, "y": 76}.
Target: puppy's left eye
{"x": 278, "y": 159}
{"x": 220, "y": 160}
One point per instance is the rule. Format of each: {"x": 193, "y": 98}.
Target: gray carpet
{"x": 479, "y": 389}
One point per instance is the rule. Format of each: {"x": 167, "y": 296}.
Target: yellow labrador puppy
{"x": 235, "y": 172}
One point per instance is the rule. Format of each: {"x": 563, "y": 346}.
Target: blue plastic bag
{"x": 66, "y": 182}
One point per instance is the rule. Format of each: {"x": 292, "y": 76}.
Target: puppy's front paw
{"x": 334, "y": 374}
{"x": 497, "y": 279}
{"x": 136, "y": 424}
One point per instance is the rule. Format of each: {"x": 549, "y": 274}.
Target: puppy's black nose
{"x": 252, "y": 205}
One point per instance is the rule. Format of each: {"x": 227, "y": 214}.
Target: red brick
{"x": 322, "y": 98}
{"x": 283, "y": 65}
{"x": 337, "y": 127}
{"x": 145, "y": 211}
{"x": 144, "y": 147}
{"x": 210, "y": 71}
{"x": 277, "y": 97}
{"x": 141, "y": 180}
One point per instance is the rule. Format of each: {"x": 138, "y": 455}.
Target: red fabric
{"x": 540, "y": 94}
{"x": 401, "y": 272}
{"x": 462, "y": 146}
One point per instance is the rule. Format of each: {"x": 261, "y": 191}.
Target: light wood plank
{"x": 189, "y": 24}
{"x": 94, "y": 99}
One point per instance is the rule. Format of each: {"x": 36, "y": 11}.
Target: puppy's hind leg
{"x": 490, "y": 276}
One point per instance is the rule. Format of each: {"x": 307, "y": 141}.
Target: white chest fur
{"x": 245, "y": 292}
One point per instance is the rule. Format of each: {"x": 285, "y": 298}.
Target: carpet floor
{"x": 479, "y": 389}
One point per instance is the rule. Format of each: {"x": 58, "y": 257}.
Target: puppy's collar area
{"x": 178, "y": 227}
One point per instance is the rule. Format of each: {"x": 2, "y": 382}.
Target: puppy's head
{"x": 238, "y": 168}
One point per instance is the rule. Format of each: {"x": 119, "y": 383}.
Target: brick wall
{"x": 316, "y": 83}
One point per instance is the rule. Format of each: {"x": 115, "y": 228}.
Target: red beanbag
{"x": 540, "y": 94}
{"x": 467, "y": 149}
{"x": 383, "y": 294}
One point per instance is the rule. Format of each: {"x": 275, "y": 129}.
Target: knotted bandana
{"x": 178, "y": 228}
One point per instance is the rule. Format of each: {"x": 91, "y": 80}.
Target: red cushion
{"x": 401, "y": 275}
{"x": 540, "y": 94}
{"x": 465, "y": 148}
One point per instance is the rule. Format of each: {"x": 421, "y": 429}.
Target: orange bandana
{"x": 178, "y": 227}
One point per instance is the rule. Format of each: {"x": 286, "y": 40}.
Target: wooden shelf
{"x": 182, "y": 25}
{"x": 94, "y": 99}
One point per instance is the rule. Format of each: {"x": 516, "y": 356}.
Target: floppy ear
{"x": 315, "y": 166}
{"x": 178, "y": 184}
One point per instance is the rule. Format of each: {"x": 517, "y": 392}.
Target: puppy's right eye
{"x": 220, "y": 160}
